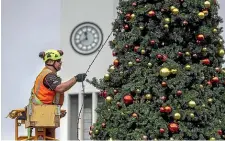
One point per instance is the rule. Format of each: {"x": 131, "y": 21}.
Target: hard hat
{"x": 51, "y": 54}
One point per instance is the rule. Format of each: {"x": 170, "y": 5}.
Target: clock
{"x": 86, "y": 38}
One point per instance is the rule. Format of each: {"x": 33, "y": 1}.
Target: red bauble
{"x": 200, "y": 37}
{"x": 205, "y": 61}
{"x": 118, "y": 104}
{"x": 152, "y": 42}
{"x": 185, "y": 22}
{"x": 180, "y": 54}
{"x": 103, "y": 125}
{"x": 151, "y": 13}
{"x": 126, "y": 46}
{"x": 162, "y": 110}
{"x": 116, "y": 62}
{"x": 217, "y": 69}
{"x": 220, "y": 132}
{"x": 114, "y": 53}
{"x": 104, "y": 94}
{"x": 136, "y": 48}
{"x": 209, "y": 83}
{"x": 215, "y": 79}
{"x": 164, "y": 84}
{"x": 126, "y": 27}
{"x": 173, "y": 127}
{"x": 138, "y": 60}
{"x": 128, "y": 16}
{"x": 161, "y": 130}
{"x": 164, "y": 58}
{"x": 128, "y": 99}
{"x": 159, "y": 56}
{"x": 168, "y": 109}
{"x": 115, "y": 91}
{"x": 134, "y": 4}
{"x": 163, "y": 98}
{"x": 91, "y": 127}
{"x": 179, "y": 93}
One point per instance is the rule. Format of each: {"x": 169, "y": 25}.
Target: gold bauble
{"x": 214, "y": 30}
{"x": 112, "y": 68}
{"x": 188, "y": 67}
{"x": 221, "y": 52}
{"x": 175, "y": 11}
{"x": 172, "y": 7}
{"x": 174, "y": 71}
{"x": 187, "y": 53}
{"x": 207, "y": 4}
{"x": 201, "y": 15}
{"x": 166, "y": 26}
{"x": 142, "y": 51}
{"x": 191, "y": 104}
{"x": 177, "y": 116}
{"x": 164, "y": 72}
{"x": 132, "y": 16}
{"x": 148, "y": 96}
{"x": 106, "y": 76}
{"x": 206, "y": 12}
{"x": 150, "y": 64}
{"x": 210, "y": 100}
{"x": 212, "y": 138}
{"x": 192, "y": 115}
{"x": 109, "y": 99}
{"x": 167, "y": 20}
{"x": 204, "y": 49}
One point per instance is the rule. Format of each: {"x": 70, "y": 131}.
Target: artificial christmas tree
{"x": 167, "y": 81}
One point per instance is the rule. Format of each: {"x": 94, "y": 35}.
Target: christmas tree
{"x": 167, "y": 80}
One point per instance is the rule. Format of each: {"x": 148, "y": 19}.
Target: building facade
{"x": 85, "y": 26}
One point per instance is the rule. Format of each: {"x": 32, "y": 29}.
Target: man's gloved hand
{"x": 80, "y": 77}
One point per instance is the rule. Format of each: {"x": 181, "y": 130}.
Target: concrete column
{"x": 94, "y": 106}
{"x": 81, "y": 122}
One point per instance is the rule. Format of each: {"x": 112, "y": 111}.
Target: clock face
{"x": 86, "y": 38}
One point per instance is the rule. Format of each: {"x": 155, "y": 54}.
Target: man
{"x": 48, "y": 87}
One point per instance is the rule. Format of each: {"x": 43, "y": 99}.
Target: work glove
{"x": 80, "y": 77}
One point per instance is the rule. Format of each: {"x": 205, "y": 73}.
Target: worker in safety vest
{"x": 48, "y": 87}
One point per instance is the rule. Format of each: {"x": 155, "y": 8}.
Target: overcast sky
{"x": 28, "y": 27}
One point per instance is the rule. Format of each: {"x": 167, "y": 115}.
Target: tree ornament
{"x": 134, "y": 115}
{"x": 172, "y": 8}
{"x": 173, "y": 127}
{"x": 142, "y": 51}
{"x": 167, "y": 20}
{"x": 91, "y": 127}
{"x": 191, "y": 104}
{"x": 128, "y": 99}
{"x": 164, "y": 72}
{"x": 158, "y": 56}
{"x": 206, "y": 12}
{"x": 126, "y": 26}
{"x": 148, "y": 96}
{"x": 145, "y": 137}
{"x": 220, "y": 132}
{"x": 116, "y": 62}
{"x": 152, "y": 42}
{"x": 118, "y": 104}
{"x": 177, "y": 116}
{"x": 130, "y": 64}
{"x": 200, "y": 37}
{"x": 151, "y": 13}
{"x": 187, "y": 67}
{"x": 214, "y": 30}
{"x": 141, "y": 27}
{"x": 162, "y": 109}
{"x": 134, "y": 4}
{"x": 96, "y": 132}
{"x": 179, "y": 93}
{"x": 210, "y": 100}
{"x": 136, "y": 48}
{"x": 106, "y": 76}
{"x": 90, "y": 133}
{"x": 175, "y": 11}
{"x": 212, "y": 138}
{"x": 150, "y": 64}
{"x": 207, "y": 4}
{"x": 168, "y": 109}
{"x": 138, "y": 60}
{"x": 204, "y": 49}
{"x": 217, "y": 69}
{"x": 164, "y": 58}
{"x": 112, "y": 68}
{"x": 115, "y": 91}
{"x": 192, "y": 115}
{"x": 166, "y": 26}
{"x": 215, "y": 80}
{"x": 187, "y": 53}
{"x": 114, "y": 53}
{"x": 221, "y": 52}
{"x": 163, "y": 98}
{"x": 128, "y": 16}
{"x": 174, "y": 71}
{"x": 205, "y": 61}
{"x": 201, "y": 15}
{"x": 132, "y": 16}
{"x": 161, "y": 130}
{"x": 185, "y": 22}
{"x": 109, "y": 99}
{"x": 103, "y": 125}
{"x": 164, "y": 84}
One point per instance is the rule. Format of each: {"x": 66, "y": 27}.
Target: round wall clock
{"x": 86, "y": 38}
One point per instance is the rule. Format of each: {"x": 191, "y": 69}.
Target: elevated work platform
{"x": 44, "y": 119}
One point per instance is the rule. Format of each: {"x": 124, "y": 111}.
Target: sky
{"x": 28, "y": 27}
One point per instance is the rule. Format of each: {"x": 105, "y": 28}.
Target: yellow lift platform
{"x": 41, "y": 118}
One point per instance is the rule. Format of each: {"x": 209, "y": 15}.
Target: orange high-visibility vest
{"x": 45, "y": 95}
